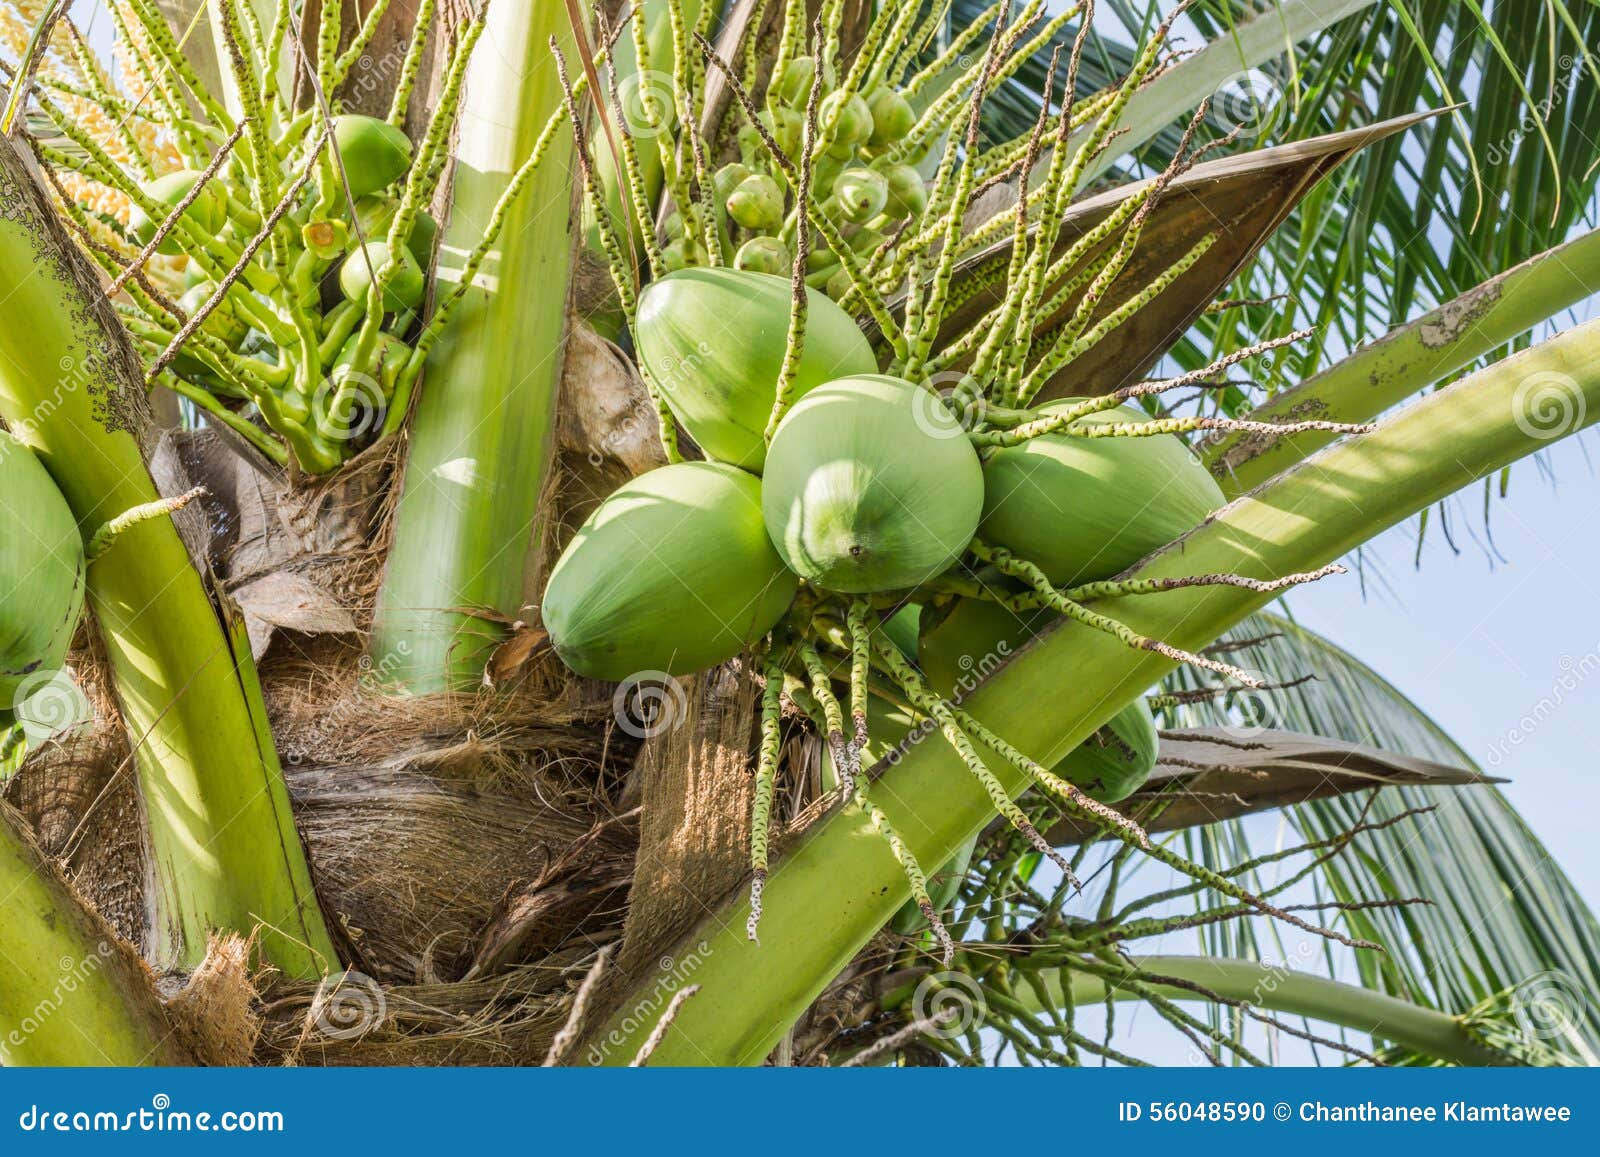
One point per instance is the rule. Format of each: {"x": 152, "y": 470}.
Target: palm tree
{"x": 353, "y": 744}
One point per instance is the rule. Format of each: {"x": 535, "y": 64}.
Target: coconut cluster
{"x": 865, "y": 179}
{"x": 870, "y": 488}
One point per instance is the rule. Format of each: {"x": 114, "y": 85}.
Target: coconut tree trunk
{"x": 837, "y": 885}
{"x": 225, "y": 854}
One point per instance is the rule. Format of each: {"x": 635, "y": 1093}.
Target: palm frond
{"x": 1503, "y": 927}
{"x": 1416, "y": 221}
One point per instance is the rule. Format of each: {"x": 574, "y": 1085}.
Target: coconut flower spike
{"x": 765, "y": 788}
{"x": 847, "y": 760}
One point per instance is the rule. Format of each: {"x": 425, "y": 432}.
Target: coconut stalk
{"x": 838, "y": 884}
{"x": 482, "y": 436}
{"x": 1424, "y": 1030}
{"x": 225, "y": 854}
{"x": 1391, "y": 369}
{"x": 70, "y": 992}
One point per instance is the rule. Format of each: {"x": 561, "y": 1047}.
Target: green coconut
{"x": 208, "y": 213}
{"x": 1085, "y": 509}
{"x": 673, "y": 572}
{"x": 375, "y": 214}
{"x": 374, "y": 152}
{"x": 360, "y": 269}
{"x": 1115, "y": 761}
{"x": 979, "y": 637}
{"x": 871, "y": 485}
{"x": 713, "y": 339}
{"x": 41, "y": 571}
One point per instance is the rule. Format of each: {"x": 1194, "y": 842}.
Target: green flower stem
{"x": 1276, "y": 989}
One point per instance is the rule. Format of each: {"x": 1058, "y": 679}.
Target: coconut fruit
{"x": 374, "y": 153}
{"x": 871, "y": 485}
{"x": 41, "y": 571}
{"x": 1085, "y": 509}
{"x": 1115, "y": 761}
{"x": 208, "y": 212}
{"x": 712, "y": 339}
{"x": 358, "y": 274}
{"x": 978, "y": 637}
{"x": 673, "y": 572}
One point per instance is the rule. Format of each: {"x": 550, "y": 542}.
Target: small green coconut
{"x": 1085, "y": 509}
{"x": 673, "y": 572}
{"x": 860, "y": 194}
{"x": 1115, "y": 761}
{"x": 374, "y": 152}
{"x": 712, "y": 339}
{"x": 871, "y": 485}
{"x": 763, "y": 255}
{"x": 978, "y": 637}
{"x": 208, "y": 213}
{"x": 41, "y": 571}
{"x": 360, "y": 270}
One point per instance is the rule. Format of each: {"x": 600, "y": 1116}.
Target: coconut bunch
{"x": 734, "y": 201}
{"x": 271, "y": 257}
{"x": 878, "y": 519}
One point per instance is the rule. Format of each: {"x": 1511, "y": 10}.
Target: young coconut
{"x": 41, "y": 571}
{"x": 208, "y": 213}
{"x": 713, "y": 340}
{"x": 673, "y": 572}
{"x": 361, "y": 268}
{"x": 979, "y": 636}
{"x": 763, "y": 255}
{"x": 871, "y": 485}
{"x": 1084, "y": 509}
{"x": 374, "y": 153}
